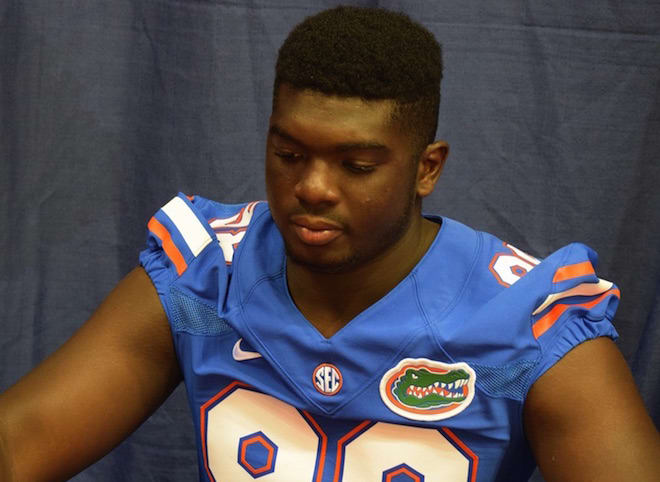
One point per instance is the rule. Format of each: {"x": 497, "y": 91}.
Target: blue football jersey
{"x": 427, "y": 384}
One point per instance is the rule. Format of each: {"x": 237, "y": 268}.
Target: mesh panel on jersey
{"x": 194, "y": 317}
{"x": 509, "y": 381}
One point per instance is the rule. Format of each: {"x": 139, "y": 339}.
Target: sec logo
{"x": 327, "y": 379}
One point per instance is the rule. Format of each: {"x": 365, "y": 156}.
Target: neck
{"x": 330, "y": 300}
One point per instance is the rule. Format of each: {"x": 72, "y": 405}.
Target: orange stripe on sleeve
{"x": 169, "y": 247}
{"x": 544, "y": 323}
{"x": 573, "y": 271}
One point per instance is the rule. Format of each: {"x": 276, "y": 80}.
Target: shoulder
{"x": 192, "y": 243}
{"x": 544, "y": 291}
{"x": 511, "y": 314}
{"x": 180, "y": 231}
{"x": 491, "y": 269}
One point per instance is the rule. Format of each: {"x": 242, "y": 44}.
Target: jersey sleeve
{"x": 191, "y": 242}
{"x": 529, "y": 313}
{"x": 578, "y": 306}
{"x": 178, "y": 234}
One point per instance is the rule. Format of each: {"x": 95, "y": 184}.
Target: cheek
{"x": 277, "y": 181}
{"x": 380, "y": 207}
{"x": 387, "y": 207}
{"x": 383, "y": 197}
{"x": 271, "y": 169}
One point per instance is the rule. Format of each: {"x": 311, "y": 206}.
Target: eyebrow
{"x": 342, "y": 147}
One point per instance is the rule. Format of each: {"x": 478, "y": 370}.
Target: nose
{"x": 316, "y": 185}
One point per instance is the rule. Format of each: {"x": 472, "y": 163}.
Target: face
{"x": 340, "y": 178}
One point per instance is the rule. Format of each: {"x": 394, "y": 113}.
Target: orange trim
{"x": 202, "y": 421}
{"x": 402, "y": 470}
{"x": 269, "y": 461}
{"x": 340, "y": 444}
{"x": 225, "y": 230}
{"x": 239, "y": 217}
{"x": 324, "y": 445}
{"x": 513, "y": 253}
{"x": 573, "y": 271}
{"x": 544, "y": 323}
{"x": 169, "y": 247}
{"x": 466, "y": 449}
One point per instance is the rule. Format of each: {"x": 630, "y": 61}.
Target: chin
{"x": 324, "y": 264}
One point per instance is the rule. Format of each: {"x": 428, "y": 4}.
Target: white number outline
{"x": 503, "y": 264}
{"x": 230, "y": 231}
{"x": 322, "y": 449}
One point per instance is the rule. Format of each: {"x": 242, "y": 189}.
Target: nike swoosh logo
{"x": 242, "y": 355}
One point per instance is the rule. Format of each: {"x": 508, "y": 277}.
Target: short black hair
{"x": 370, "y": 53}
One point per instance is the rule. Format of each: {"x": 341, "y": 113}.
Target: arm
{"x": 585, "y": 420}
{"x": 91, "y": 393}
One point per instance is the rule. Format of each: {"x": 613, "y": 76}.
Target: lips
{"x": 315, "y": 231}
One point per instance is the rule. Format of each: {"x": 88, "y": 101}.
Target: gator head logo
{"x": 422, "y": 389}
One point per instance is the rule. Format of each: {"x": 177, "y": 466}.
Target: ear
{"x": 430, "y": 166}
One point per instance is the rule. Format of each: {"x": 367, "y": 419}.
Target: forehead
{"x": 312, "y": 115}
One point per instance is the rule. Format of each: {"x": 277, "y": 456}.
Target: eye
{"x": 358, "y": 168}
{"x": 288, "y": 156}
{"x": 413, "y": 376}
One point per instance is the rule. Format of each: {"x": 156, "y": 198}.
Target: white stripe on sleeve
{"x": 189, "y": 226}
{"x": 584, "y": 289}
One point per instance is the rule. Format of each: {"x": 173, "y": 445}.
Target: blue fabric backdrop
{"x": 109, "y": 108}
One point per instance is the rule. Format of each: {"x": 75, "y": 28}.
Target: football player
{"x": 335, "y": 333}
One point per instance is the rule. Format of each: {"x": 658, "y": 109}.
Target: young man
{"x": 335, "y": 333}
